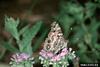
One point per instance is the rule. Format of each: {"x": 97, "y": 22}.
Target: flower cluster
{"x": 53, "y": 57}
{"x": 21, "y": 59}
{"x": 60, "y": 58}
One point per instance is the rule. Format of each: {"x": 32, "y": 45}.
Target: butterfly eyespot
{"x": 49, "y": 41}
{"x": 47, "y": 47}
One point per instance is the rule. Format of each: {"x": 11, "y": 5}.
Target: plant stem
{"x": 19, "y": 45}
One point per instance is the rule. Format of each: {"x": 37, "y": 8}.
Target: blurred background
{"x": 79, "y": 20}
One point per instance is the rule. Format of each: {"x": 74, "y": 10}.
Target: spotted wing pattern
{"x": 55, "y": 40}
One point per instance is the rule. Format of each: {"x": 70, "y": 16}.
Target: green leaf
{"x": 23, "y": 30}
{"x": 87, "y": 38}
{"x": 9, "y": 47}
{"x": 93, "y": 30}
{"x": 97, "y": 46}
{"x": 73, "y": 9}
{"x": 86, "y": 58}
{"x": 11, "y": 27}
{"x": 40, "y": 40}
{"x": 28, "y": 35}
{"x": 78, "y": 35}
{"x": 90, "y": 9}
{"x": 97, "y": 54}
{"x": 82, "y": 47}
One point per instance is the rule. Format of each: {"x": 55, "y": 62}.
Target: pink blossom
{"x": 53, "y": 57}
{"x": 56, "y": 58}
{"x": 19, "y": 57}
{"x": 24, "y": 56}
{"x": 50, "y": 54}
{"x": 64, "y": 52}
{"x": 43, "y": 53}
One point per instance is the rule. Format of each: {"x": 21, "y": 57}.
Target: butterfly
{"x": 55, "y": 40}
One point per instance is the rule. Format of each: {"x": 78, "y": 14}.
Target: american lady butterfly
{"x": 55, "y": 40}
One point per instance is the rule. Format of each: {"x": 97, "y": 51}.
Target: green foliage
{"x": 40, "y": 40}
{"x": 72, "y": 9}
{"x": 9, "y": 47}
{"x": 11, "y": 26}
{"x": 90, "y": 9}
{"x": 84, "y": 23}
{"x": 27, "y": 33}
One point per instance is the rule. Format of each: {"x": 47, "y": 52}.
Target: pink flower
{"x": 56, "y": 58}
{"x": 50, "y": 54}
{"x": 53, "y": 57}
{"x": 24, "y": 56}
{"x": 64, "y": 52}
{"x": 16, "y": 58}
{"x": 43, "y": 53}
{"x": 19, "y": 57}
{"x": 65, "y": 49}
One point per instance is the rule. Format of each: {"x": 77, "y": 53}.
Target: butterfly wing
{"x": 55, "y": 41}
